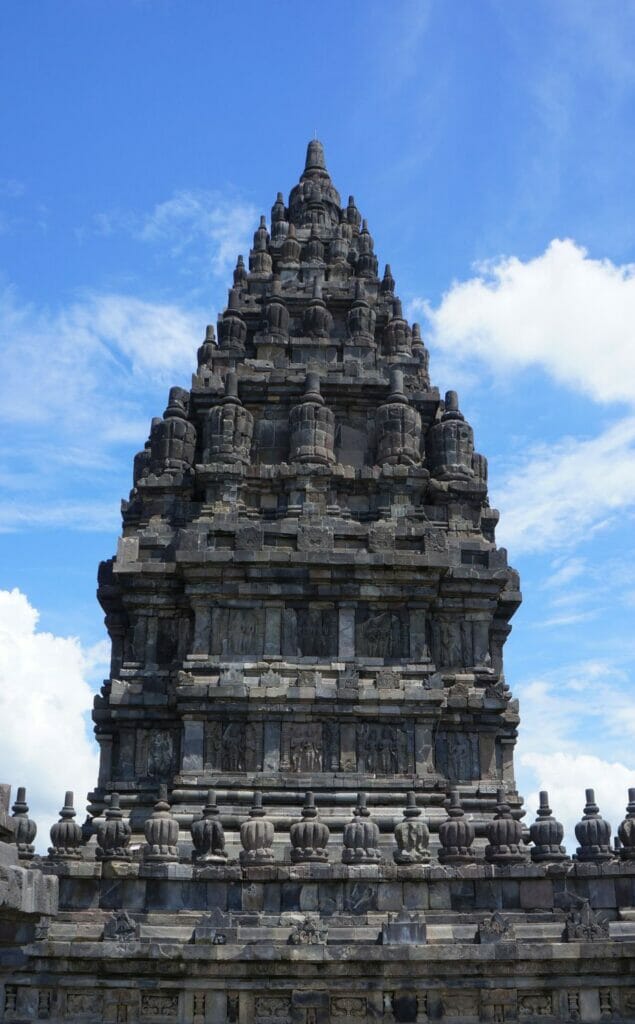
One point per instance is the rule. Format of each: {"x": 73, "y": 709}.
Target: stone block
{"x": 389, "y": 896}
{"x": 536, "y": 894}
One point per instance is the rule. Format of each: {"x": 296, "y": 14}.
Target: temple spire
{"x": 315, "y": 156}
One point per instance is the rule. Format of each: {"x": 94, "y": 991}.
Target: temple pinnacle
{"x": 315, "y": 156}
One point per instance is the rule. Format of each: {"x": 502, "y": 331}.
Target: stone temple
{"x": 306, "y": 810}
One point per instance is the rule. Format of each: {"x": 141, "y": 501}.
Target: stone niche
{"x": 382, "y": 632}
{"x": 309, "y": 631}
{"x": 238, "y": 631}
{"x": 458, "y": 755}
{"x": 461, "y": 643}
{"x": 385, "y": 749}
{"x": 146, "y": 753}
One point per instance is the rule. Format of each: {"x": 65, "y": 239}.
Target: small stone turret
{"x": 208, "y": 349}
{"x": 113, "y": 834}
{"x": 276, "y": 314}
{"x": 398, "y": 427}
{"x": 173, "y": 439}
{"x": 361, "y": 836}
{"x": 161, "y": 831}
{"x": 450, "y": 443}
{"x": 228, "y": 427}
{"x": 626, "y": 831}
{"x": 208, "y": 835}
{"x": 141, "y": 463}
{"x": 456, "y": 834}
{"x": 367, "y": 265}
{"x": 290, "y": 250}
{"x": 361, "y": 318}
{"x": 317, "y": 319}
{"x": 397, "y": 335}
{"x": 240, "y": 273}
{"x": 412, "y": 835}
{"x": 352, "y": 214}
{"x": 232, "y": 329}
{"x": 314, "y": 248}
{"x": 256, "y": 836}
{"x": 309, "y": 837}
{"x": 505, "y": 835}
{"x": 259, "y": 257}
{"x": 279, "y": 222}
{"x": 66, "y": 834}
{"x": 421, "y": 353}
{"x": 338, "y": 249}
{"x": 593, "y": 833}
{"x": 388, "y": 281}
{"x": 312, "y": 426}
{"x": 546, "y": 834}
{"x": 24, "y": 829}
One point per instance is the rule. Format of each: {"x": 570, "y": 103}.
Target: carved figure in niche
{"x": 214, "y": 746}
{"x": 386, "y": 751}
{"x": 317, "y": 632}
{"x": 305, "y": 754}
{"x": 233, "y": 748}
{"x": 244, "y": 631}
{"x": 160, "y": 754}
{"x": 331, "y": 743}
{"x": 383, "y": 634}
{"x": 252, "y": 758}
{"x": 382, "y": 750}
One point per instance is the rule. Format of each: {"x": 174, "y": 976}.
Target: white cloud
{"x": 562, "y": 311}
{"x": 44, "y": 697}
{"x": 561, "y": 494}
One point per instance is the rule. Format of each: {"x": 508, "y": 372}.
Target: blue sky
{"x": 491, "y": 147}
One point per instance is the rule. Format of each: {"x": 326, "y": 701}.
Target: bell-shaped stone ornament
{"x": 397, "y": 338}
{"x": 312, "y": 426}
{"x": 593, "y": 833}
{"x": 232, "y": 329}
{"x": 450, "y": 443}
{"x": 367, "y": 264}
{"x": 388, "y": 281}
{"x": 228, "y": 428}
{"x": 546, "y": 835}
{"x": 361, "y": 836}
{"x": 421, "y": 353}
{"x": 259, "y": 258}
{"x": 240, "y": 273}
{"x": 24, "y": 829}
{"x": 309, "y": 837}
{"x": 113, "y": 833}
{"x": 626, "y": 831}
{"x": 505, "y": 835}
{"x": 66, "y": 834}
{"x": 173, "y": 439}
{"x": 162, "y": 832}
{"x": 290, "y": 250}
{"x": 412, "y": 835}
{"x": 208, "y": 835}
{"x": 338, "y": 248}
{"x": 398, "y": 427}
{"x": 256, "y": 836}
{"x": 352, "y": 214}
{"x": 276, "y": 314}
{"x": 456, "y": 834}
{"x": 314, "y": 248}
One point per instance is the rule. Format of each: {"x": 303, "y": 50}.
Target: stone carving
{"x": 366, "y": 265}
{"x": 535, "y": 1004}
{"x": 228, "y": 427}
{"x": 276, "y": 315}
{"x": 626, "y": 830}
{"x": 159, "y": 1004}
{"x": 593, "y": 833}
{"x": 161, "y": 830}
{"x": 113, "y": 834}
{"x": 361, "y": 836}
{"x": 397, "y": 339}
{"x": 233, "y": 746}
{"x": 381, "y": 632}
{"x": 546, "y": 834}
{"x": 309, "y": 837}
{"x": 207, "y": 351}
{"x": 505, "y": 835}
{"x": 457, "y": 755}
{"x": 260, "y": 261}
{"x": 383, "y": 749}
{"x": 412, "y": 835}
{"x": 404, "y": 929}
{"x": 348, "y": 1006}
{"x": 208, "y": 835}
{"x": 398, "y": 427}
{"x": 309, "y": 632}
{"x": 272, "y": 1009}
{"x": 173, "y": 439}
{"x": 312, "y": 426}
{"x": 309, "y": 932}
{"x": 120, "y": 927}
{"x": 360, "y": 321}
{"x": 461, "y": 643}
{"x": 456, "y": 834}
{"x": 256, "y": 836}
{"x": 305, "y": 748}
{"x": 495, "y": 928}
{"x": 238, "y": 631}
{"x": 317, "y": 319}
{"x": 24, "y": 829}
{"x": 159, "y": 753}
{"x": 232, "y": 329}
{"x": 66, "y": 834}
{"x": 583, "y": 924}
{"x": 84, "y": 1002}
{"x": 450, "y": 443}
{"x": 460, "y": 1004}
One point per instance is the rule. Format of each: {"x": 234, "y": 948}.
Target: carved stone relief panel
{"x": 301, "y": 747}
{"x": 458, "y": 755}
{"x": 155, "y": 753}
{"x": 272, "y": 1009}
{"x": 381, "y": 632}
{"x": 159, "y": 1006}
{"x": 461, "y": 643}
{"x": 233, "y": 745}
{"x": 238, "y": 631}
{"x": 385, "y": 749}
{"x": 309, "y": 632}
{"x": 168, "y": 635}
